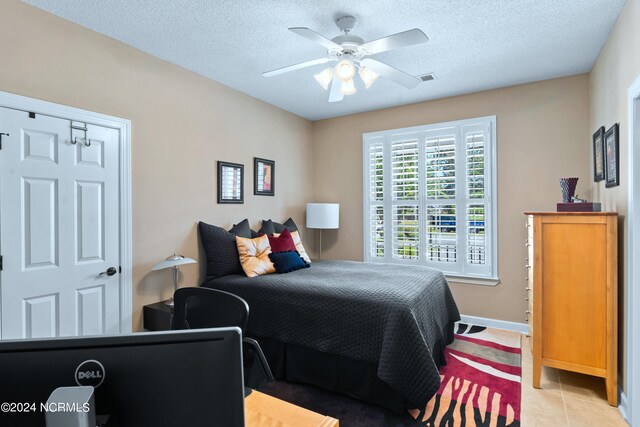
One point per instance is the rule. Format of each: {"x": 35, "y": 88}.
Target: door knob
{"x": 110, "y": 271}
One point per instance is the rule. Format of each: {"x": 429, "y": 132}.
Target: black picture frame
{"x": 598, "y": 155}
{"x": 230, "y": 192}
{"x": 612, "y": 156}
{"x": 264, "y": 177}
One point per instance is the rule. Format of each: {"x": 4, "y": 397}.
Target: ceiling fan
{"x": 351, "y": 53}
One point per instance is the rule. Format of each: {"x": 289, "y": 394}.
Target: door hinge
{"x": 32, "y": 115}
{"x": 1, "y": 135}
{"x": 0, "y": 262}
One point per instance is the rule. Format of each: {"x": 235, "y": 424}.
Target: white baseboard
{"x": 623, "y": 404}
{"x": 523, "y": 328}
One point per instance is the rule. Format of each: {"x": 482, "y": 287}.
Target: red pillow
{"x": 282, "y": 243}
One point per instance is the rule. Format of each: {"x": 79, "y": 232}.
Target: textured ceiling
{"x": 474, "y": 44}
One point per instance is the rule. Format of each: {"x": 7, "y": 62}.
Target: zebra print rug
{"x": 480, "y": 385}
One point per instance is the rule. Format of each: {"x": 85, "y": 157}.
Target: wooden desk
{"x": 262, "y": 410}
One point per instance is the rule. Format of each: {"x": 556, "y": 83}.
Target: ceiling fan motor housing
{"x": 350, "y": 44}
{"x": 346, "y": 23}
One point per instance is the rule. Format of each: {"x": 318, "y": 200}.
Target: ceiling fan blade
{"x": 295, "y": 67}
{"x": 335, "y": 95}
{"x": 315, "y": 37}
{"x": 391, "y": 73}
{"x": 395, "y": 41}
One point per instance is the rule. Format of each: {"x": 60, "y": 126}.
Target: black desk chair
{"x": 197, "y": 308}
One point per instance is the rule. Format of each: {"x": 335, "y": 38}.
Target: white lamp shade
{"x": 348, "y": 88}
{"x": 368, "y": 76}
{"x": 323, "y": 215}
{"x": 324, "y": 78}
{"x": 173, "y": 261}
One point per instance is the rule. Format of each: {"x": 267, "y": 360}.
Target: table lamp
{"x": 323, "y": 216}
{"x": 173, "y": 262}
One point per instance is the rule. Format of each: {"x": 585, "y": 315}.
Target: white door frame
{"x": 633, "y": 268}
{"x": 37, "y": 106}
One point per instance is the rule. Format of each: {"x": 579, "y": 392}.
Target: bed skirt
{"x": 340, "y": 374}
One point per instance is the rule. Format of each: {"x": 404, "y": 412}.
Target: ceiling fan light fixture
{"x": 350, "y": 54}
{"x": 347, "y": 87}
{"x": 368, "y": 76}
{"x": 345, "y": 70}
{"x": 324, "y": 78}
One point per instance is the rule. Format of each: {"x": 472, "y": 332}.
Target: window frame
{"x": 464, "y": 272}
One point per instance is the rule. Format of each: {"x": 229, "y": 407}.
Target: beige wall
{"x": 542, "y": 136}
{"x": 617, "y": 67}
{"x": 182, "y": 123}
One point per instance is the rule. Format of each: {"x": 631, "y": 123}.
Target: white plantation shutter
{"x": 441, "y": 167}
{"x": 377, "y": 232}
{"x": 404, "y": 170}
{"x": 476, "y": 200}
{"x": 474, "y": 151}
{"x": 441, "y": 233}
{"x": 428, "y": 196}
{"x": 376, "y": 198}
{"x": 475, "y": 223}
{"x": 441, "y": 228}
{"x": 405, "y": 230}
{"x": 375, "y": 172}
{"x": 476, "y": 242}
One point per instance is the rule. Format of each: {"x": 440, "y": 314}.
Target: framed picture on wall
{"x": 264, "y": 177}
{"x": 612, "y": 157}
{"x": 230, "y": 182}
{"x": 598, "y": 155}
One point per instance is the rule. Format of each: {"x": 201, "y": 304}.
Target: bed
{"x": 376, "y": 332}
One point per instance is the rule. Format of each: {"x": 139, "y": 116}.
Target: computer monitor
{"x": 175, "y": 378}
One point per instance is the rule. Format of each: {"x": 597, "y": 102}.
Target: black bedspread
{"x": 391, "y": 315}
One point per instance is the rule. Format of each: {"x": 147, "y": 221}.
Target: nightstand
{"x": 157, "y": 317}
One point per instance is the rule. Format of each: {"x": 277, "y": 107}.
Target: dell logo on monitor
{"x": 90, "y": 373}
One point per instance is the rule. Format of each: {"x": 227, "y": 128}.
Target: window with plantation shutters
{"x": 429, "y": 197}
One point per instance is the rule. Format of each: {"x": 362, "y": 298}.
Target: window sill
{"x": 467, "y": 280}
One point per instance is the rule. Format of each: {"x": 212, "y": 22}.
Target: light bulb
{"x": 345, "y": 70}
{"x": 368, "y": 76}
{"x": 347, "y": 87}
{"x": 324, "y": 78}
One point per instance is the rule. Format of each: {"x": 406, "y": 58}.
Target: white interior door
{"x": 59, "y": 228}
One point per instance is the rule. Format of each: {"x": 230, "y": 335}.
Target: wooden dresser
{"x": 572, "y": 289}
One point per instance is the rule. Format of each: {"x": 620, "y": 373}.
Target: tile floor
{"x": 564, "y": 399}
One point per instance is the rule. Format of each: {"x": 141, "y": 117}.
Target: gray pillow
{"x": 289, "y": 224}
{"x": 242, "y": 229}
{"x": 267, "y": 227}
